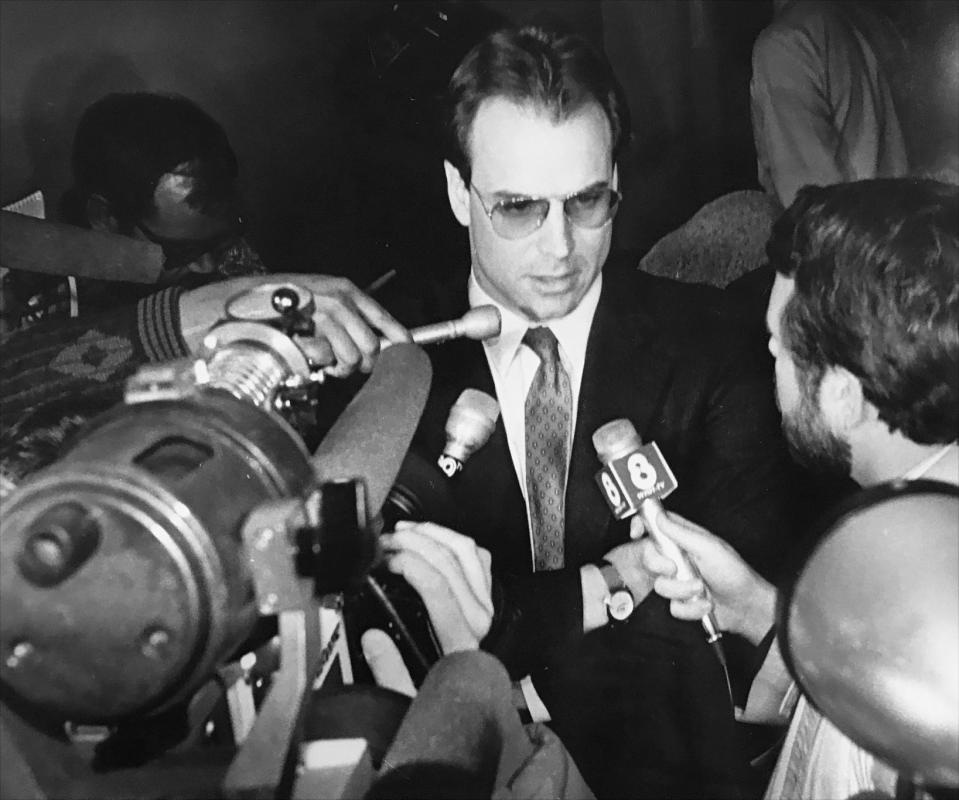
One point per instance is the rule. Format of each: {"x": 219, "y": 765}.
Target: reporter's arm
{"x": 347, "y": 320}
{"x": 85, "y": 361}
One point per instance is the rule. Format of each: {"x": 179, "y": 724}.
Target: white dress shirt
{"x": 514, "y": 366}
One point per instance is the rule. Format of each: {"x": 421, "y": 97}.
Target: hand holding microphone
{"x": 633, "y": 479}
{"x": 741, "y": 600}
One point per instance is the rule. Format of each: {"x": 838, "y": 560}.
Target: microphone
{"x": 634, "y": 478}
{"x": 468, "y": 427}
{"x": 460, "y": 733}
{"x": 471, "y": 422}
{"x": 478, "y": 323}
{"x": 422, "y": 492}
{"x": 371, "y": 437}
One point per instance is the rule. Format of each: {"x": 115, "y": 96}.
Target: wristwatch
{"x": 620, "y": 601}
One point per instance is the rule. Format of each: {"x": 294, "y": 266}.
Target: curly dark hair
{"x": 548, "y": 69}
{"x": 125, "y": 142}
{"x": 876, "y": 270}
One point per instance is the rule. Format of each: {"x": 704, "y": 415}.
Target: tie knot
{"x": 542, "y": 341}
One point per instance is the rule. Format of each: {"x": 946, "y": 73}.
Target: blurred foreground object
{"x": 870, "y": 627}
{"x": 139, "y": 562}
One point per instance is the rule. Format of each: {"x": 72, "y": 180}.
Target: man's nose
{"x": 556, "y": 234}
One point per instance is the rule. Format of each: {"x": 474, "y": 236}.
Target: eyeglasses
{"x": 180, "y": 252}
{"x": 516, "y": 217}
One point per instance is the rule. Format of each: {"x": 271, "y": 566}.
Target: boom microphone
{"x": 371, "y": 436}
{"x": 478, "y": 323}
{"x": 634, "y": 477}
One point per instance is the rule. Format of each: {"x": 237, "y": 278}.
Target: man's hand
{"x": 627, "y": 558}
{"x": 452, "y": 575}
{"x": 741, "y": 599}
{"x": 347, "y": 320}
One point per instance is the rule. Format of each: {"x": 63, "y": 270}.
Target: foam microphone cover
{"x": 461, "y": 732}
{"x": 370, "y": 438}
{"x": 54, "y": 248}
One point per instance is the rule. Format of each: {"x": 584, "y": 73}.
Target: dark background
{"x": 329, "y": 107}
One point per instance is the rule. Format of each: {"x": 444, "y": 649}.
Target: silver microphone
{"x": 478, "y": 323}
{"x": 468, "y": 427}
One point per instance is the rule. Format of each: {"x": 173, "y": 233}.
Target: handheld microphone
{"x": 633, "y": 479}
{"x": 422, "y": 492}
{"x": 478, "y": 323}
{"x": 468, "y": 427}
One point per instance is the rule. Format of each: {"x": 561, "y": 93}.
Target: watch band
{"x": 619, "y": 600}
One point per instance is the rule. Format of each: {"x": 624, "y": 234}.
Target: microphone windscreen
{"x": 615, "y": 439}
{"x": 463, "y": 718}
{"x": 370, "y": 438}
{"x": 481, "y": 323}
{"x": 471, "y": 422}
{"x": 54, "y": 248}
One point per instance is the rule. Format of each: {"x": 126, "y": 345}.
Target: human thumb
{"x": 385, "y": 662}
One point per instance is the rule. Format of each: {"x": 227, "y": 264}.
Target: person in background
{"x": 864, "y": 326}
{"x": 155, "y": 167}
{"x": 536, "y": 123}
{"x": 823, "y": 109}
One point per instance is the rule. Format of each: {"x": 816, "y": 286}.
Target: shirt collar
{"x": 571, "y": 331}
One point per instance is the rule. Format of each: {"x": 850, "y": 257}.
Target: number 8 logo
{"x": 641, "y": 472}
{"x": 611, "y": 491}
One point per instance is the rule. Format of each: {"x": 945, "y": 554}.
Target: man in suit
{"x": 536, "y": 123}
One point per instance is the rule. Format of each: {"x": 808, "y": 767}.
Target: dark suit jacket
{"x": 643, "y": 705}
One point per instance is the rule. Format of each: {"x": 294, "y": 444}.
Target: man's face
{"x": 517, "y": 152}
{"x": 811, "y": 441}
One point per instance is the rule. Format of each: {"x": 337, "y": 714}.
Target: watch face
{"x": 620, "y": 604}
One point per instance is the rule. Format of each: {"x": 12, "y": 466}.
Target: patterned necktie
{"x": 548, "y": 413}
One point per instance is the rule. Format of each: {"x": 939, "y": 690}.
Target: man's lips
{"x": 554, "y": 283}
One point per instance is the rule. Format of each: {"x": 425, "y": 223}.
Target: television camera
{"x": 140, "y": 566}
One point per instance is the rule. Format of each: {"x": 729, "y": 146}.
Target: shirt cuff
{"x": 158, "y": 325}
{"x": 595, "y": 592}
{"x": 537, "y": 708}
{"x": 773, "y": 694}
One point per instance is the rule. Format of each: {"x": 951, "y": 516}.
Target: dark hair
{"x": 550, "y": 70}
{"x": 876, "y": 269}
{"x": 124, "y": 143}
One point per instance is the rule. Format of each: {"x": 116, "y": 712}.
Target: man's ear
{"x": 842, "y": 401}
{"x": 458, "y": 193}
{"x": 100, "y": 215}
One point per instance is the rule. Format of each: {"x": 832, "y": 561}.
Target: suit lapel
{"x": 625, "y": 374}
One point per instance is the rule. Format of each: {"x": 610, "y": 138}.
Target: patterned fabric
{"x": 548, "y": 411}
{"x": 56, "y": 373}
